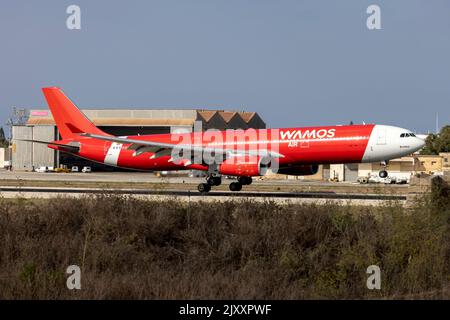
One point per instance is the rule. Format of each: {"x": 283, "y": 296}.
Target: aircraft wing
{"x": 161, "y": 148}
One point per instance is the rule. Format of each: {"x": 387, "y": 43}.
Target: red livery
{"x": 244, "y": 154}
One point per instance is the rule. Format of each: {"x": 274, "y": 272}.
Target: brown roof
{"x": 247, "y": 116}
{"x": 207, "y": 114}
{"x": 227, "y": 115}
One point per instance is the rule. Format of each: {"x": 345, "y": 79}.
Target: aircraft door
{"x": 381, "y": 136}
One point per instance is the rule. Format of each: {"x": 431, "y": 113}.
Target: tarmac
{"x": 17, "y": 184}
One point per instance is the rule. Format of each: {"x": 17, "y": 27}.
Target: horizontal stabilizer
{"x": 67, "y": 147}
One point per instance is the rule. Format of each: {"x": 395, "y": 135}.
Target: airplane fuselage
{"x": 299, "y": 146}
{"x": 239, "y": 153}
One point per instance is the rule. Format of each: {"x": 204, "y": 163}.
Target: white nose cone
{"x": 419, "y": 143}
{"x": 422, "y": 136}
{"x": 388, "y": 142}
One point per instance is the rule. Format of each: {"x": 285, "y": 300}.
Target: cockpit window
{"x": 408, "y": 134}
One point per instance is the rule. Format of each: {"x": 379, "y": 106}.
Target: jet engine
{"x": 245, "y": 166}
{"x": 301, "y": 170}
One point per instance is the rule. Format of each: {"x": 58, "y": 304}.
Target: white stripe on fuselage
{"x": 112, "y": 156}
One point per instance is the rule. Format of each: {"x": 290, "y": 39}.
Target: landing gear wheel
{"x": 235, "y": 186}
{"x": 214, "y": 181}
{"x": 383, "y": 174}
{"x": 245, "y": 180}
{"x": 204, "y": 187}
{"x": 217, "y": 181}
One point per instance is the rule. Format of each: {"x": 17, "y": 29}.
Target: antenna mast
{"x": 437, "y": 122}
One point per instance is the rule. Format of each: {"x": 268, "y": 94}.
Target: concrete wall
{"x": 351, "y": 172}
{"x": 42, "y": 155}
{"x": 180, "y": 129}
{"x": 344, "y": 172}
{"x": 445, "y": 161}
{"x": 337, "y": 171}
{"x": 22, "y": 152}
{"x": 26, "y": 155}
{"x": 429, "y": 164}
{"x": 5, "y": 157}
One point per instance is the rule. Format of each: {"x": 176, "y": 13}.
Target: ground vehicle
{"x": 74, "y": 169}
{"x": 7, "y": 164}
{"x": 41, "y": 169}
{"x": 86, "y": 169}
{"x": 401, "y": 180}
{"x": 363, "y": 180}
{"x": 389, "y": 180}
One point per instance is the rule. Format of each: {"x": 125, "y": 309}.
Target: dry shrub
{"x": 130, "y": 248}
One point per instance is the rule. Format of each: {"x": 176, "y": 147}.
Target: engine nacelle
{"x": 301, "y": 170}
{"x": 244, "y": 167}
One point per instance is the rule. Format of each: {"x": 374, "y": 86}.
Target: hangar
{"x": 39, "y": 125}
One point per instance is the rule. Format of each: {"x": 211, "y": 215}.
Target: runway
{"x": 187, "y": 195}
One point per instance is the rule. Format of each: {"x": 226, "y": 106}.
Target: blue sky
{"x": 297, "y": 63}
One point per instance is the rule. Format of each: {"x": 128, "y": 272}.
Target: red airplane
{"x": 240, "y": 153}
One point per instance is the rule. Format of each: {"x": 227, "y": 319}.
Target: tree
{"x": 436, "y": 143}
{"x": 430, "y": 145}
{"x": 3, "y": 142}
{"x": 444, "y": 140}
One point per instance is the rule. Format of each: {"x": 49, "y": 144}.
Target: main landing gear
{"x": 214, "y": 181}
{"x": 204, "y": 187}
{"x": 242, "y": 181}
{"x": 235, "y": 186}
{"x": 245, "y": 180}
{"x": 383, "y": 173}
{"x": 210, "y": 181}
{"x": 217, "y": 181}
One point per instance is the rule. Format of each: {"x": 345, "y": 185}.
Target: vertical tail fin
{"x": 68, "y": 118}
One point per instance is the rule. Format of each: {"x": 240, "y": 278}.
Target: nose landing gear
{"x": 383, "y": 173}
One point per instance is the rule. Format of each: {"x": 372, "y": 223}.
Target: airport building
{"x": 39, "y": 125}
